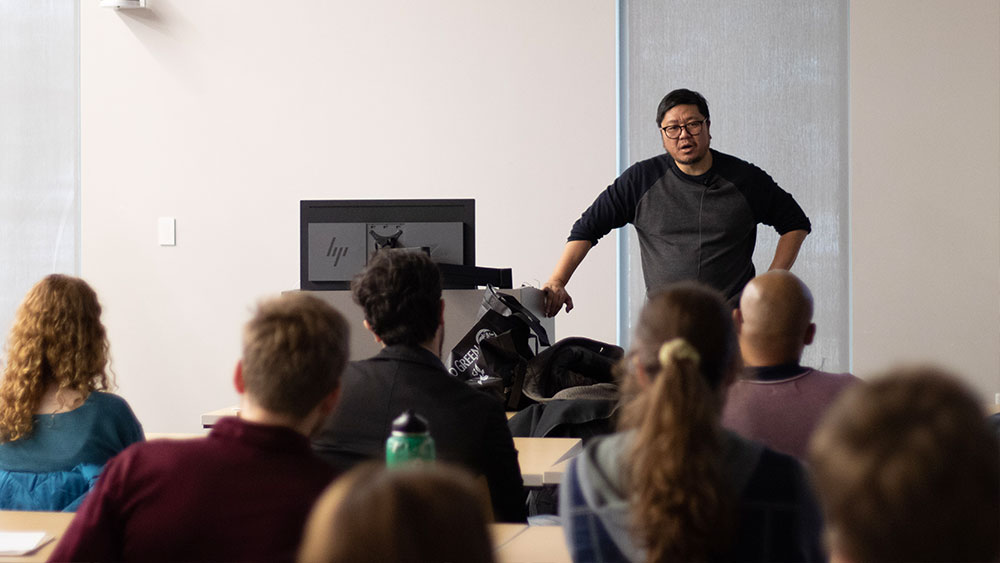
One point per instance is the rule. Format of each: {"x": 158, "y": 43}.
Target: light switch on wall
{"x": 168, "y": 231}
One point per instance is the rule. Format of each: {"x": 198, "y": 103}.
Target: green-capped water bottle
{"x": 410, "y": 440}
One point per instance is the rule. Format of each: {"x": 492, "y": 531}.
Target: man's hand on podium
{"x": 555, "y": 297}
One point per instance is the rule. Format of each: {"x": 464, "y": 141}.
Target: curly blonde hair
{"x": 57, "y": 338}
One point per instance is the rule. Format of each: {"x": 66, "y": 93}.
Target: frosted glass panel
{"x": 39, "y": 140}
{"x": 774, "y": 73}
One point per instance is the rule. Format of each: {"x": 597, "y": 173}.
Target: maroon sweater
{"x": 780, "y": 406}
{"x": 241, "y": 494}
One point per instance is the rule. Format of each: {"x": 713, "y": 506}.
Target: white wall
{"x": 225, "y": 115}
{"x": 925, "y": 185}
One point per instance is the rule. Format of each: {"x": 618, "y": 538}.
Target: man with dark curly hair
{"x": 400, "y": 294}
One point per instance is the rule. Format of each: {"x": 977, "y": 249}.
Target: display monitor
{"x": 338, "y": 236}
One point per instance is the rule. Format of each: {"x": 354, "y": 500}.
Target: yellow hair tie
{"x": 678, "y": 349}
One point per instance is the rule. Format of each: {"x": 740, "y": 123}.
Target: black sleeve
{"x": 615, "y": 206}
{"x": 501, "y": 469}
{"x": 772, "y": 205}
{"x": 811, "y": 521}
{"x": 779, "y": 517}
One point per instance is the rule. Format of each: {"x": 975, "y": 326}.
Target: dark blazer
{"x": 469, "y": 427}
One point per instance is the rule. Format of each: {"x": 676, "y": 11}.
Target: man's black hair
{"x": 400, "y": 293}
{"x": 679, "y": 97}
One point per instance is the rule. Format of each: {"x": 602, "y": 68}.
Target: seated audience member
{"x": 777, "y": 401}
{"x": 244, "y": 492}
{"x": 58, "y": 425}
{"x": 400, "y": 294}
{"x": 907, "y": 469}
{"x": 672, "y": 485}
{"x": 429, "y": 513}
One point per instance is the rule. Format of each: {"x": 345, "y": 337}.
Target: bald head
{"x": 774, "y": 319}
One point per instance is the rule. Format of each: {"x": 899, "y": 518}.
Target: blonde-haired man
{"x": 242, "y": 493}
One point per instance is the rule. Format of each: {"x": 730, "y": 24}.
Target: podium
{"x": 460, "y": 308}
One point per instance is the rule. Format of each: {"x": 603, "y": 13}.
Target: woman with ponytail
{"x": 672, "y": 484}
{"x": 58, "y": 425}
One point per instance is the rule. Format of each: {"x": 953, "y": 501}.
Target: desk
{"x": 209, "y": 419}
{"x": 553, "y": 475}
{"x": 53, "y": 523}
{"x": 539, "y": 455}
{"x": 175, "y": 435}
{"x": 503, "y": 532}
{"x": 541, "y": 459}
{"x": 533, "y": 544}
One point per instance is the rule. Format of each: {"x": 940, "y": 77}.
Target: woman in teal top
{"x": 58, "y": 426}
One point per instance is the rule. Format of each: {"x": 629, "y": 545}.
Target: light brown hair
{"x": 908, "y": 469}
{"x": 294, "y": 350}
{"x": 431, "y": 513}
{"x": 57, "y": 338}
{"x": 686, "y": 345}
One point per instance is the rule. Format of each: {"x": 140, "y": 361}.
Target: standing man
{"x": 695, "y": 210}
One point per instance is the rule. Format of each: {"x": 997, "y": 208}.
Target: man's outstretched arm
{"x": 788, "y": 249}
{"x": 555, "y": 289}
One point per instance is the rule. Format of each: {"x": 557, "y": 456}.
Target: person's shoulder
{"x": 106, "y": 398}
{"x": 113, "y": 408}
{"x": 842, "y": 376}
{"x": 728, "y": 161}
{"x": 110, "y": 405}
{"x": 168, "y": 448}
{"x": 837, "y": 380}
{"x": 635, "y": 182}
{"x": 363, "y": 365}
{"x": 359, "y": 375}
{"x": 737, "y": 170}
{"x": 600, "y": 464}
{"x": 419, "y": 371}
{"x": 777, "y": 476}
{"x": 146, "y": 460}
{"x": 356, "y": 369}
{"x": 423, "y": 369}
{"x": 772, "y": 461}
{"x": 651, "y": 168}
{"x": 660, "y": 161}
{"x": 609, "y": 450}
{"x": 396, "y": 356}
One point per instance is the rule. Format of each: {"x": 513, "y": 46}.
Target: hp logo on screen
{"x": 336, "y": 252}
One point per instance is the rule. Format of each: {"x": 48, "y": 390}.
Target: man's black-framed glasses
{"x": 692, "y": 127}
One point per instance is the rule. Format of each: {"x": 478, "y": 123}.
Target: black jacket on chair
{"x": 469, "y": 427}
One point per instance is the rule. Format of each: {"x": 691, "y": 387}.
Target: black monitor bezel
{"x": 379, "y": 211}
